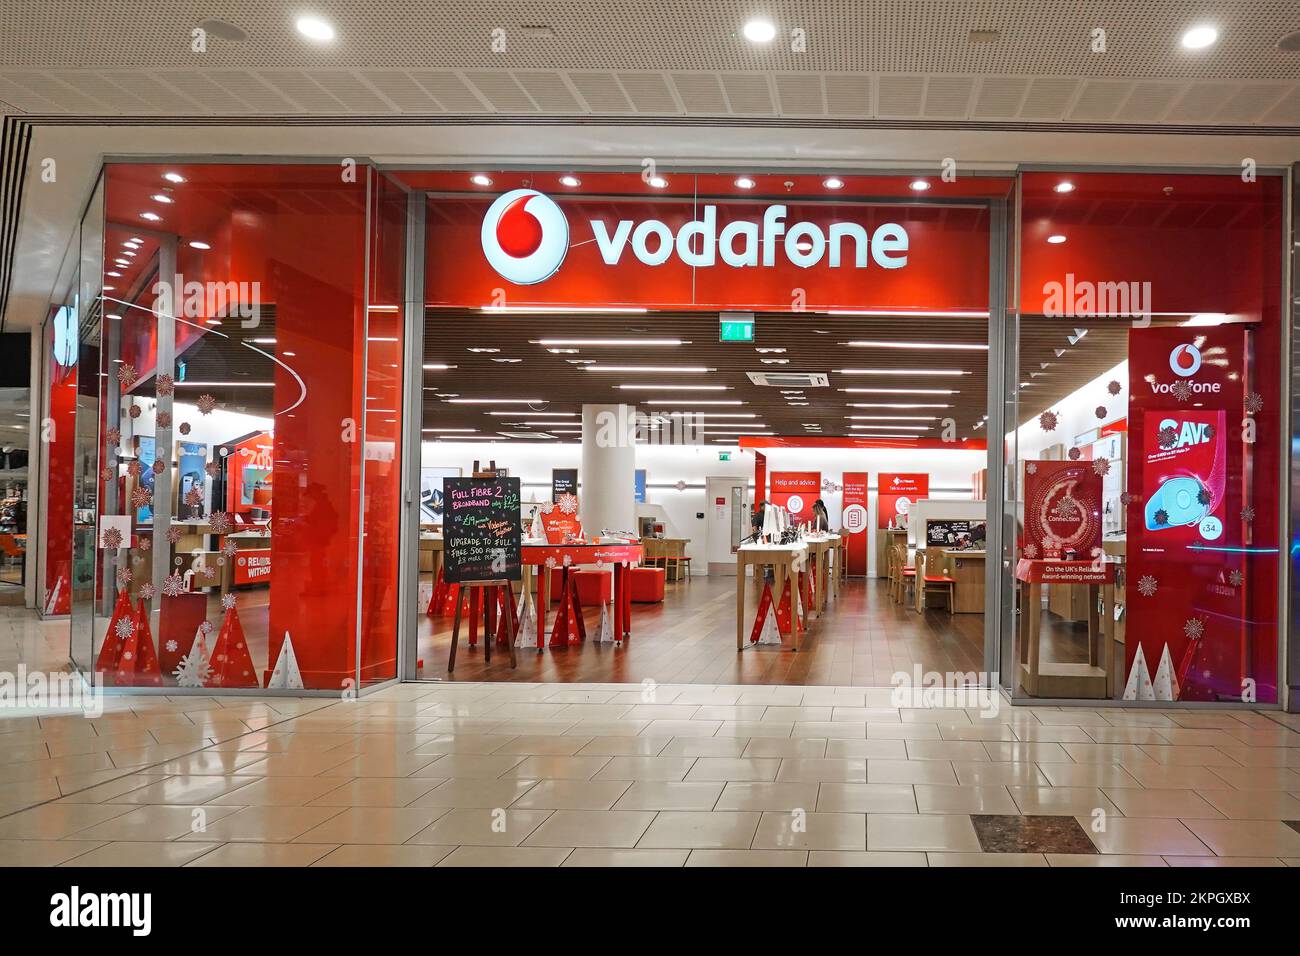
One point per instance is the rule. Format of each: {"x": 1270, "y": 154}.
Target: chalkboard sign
{"x": 482, "y": 529}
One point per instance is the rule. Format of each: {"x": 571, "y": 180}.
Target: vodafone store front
{"x": 1020, "y": 430}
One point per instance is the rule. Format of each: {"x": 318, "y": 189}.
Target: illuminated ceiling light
{"x": 690, "y": 401}
{"x": 658, "y": 182}
{"x": 496, "y": 401}
{"x": 892, "y": 418}
{"x": 314, "y": 28}
{"x": 901, "y": 391}
{"x": 759, "y": 31}
{"x": 670, "y": 369}
{"x": 508, "y": 361}
{"x": 437, "y": 367}
{"x": 151, "y": 216}
{"x": 174, "y": 177}
{"x": 562, "y": 352}
{"x": 478, "y": 179}
{"x": 162, "y": 198}
{"x": 887, "y": 313}
{"x": 920, "y": 185}
{"x": 570, "y": 181}
{"x": 901, "y": 371}
{"x": 196, "y": 244}
{"x": 897, "y": 428}
{"x": 610, "y": 342}
{"x": 114, "y": 275}
{"x": 880, "y": 344}
{"x": 893, "y": 405}
{"x": 833, "y": 183}
{"x": 562, "y": 309}
{"x": 482, "y": 349}
{"x": 448, "y": 430}
{"x": 1199, "y": 37}
{"x": 744, "y": 182}
{"x": 129, "y": 253}
{"x": 1065, "y": 187}
{"x": 536, "y": 414}
{"x": 1056, "y": 239}
{"x": 676, "y": 388}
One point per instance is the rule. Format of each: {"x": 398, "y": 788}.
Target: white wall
{"x": 1076, "y": 414}
{"x": 950, "y": 473}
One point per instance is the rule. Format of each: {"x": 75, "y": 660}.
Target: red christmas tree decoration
{"x": 138, "y": 664}
{"x": 232, "y": 665}
{"x": 110, "y": 652}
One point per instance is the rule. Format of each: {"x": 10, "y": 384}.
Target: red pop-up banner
{"x": 853, "y": 520}
{"x": 796, "y": 491}
{"x": 895, "y": 494}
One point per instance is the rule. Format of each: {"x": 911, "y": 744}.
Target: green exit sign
{"x": 724, "y": 456}
{"x": 736, "y": 327}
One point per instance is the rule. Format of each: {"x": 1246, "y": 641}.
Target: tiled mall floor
{"x": 604, "y": 774}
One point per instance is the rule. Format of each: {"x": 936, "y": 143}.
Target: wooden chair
{"x": 679, "y": 564}
{"x": 936, "y": 583}
{"x": 902, "y": 576}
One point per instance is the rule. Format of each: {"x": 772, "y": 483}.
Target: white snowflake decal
{"x": 171, "y": 646}
{"x": 227, "y": 601}
{"x": 173, "y": 585}
{"x": 206, "y": 627}
{"x": 206, "y": 404}
{"x": 174, "y": 534}
{"x": 1068, "y": 507}
{"x": 1167, "y": 436}
{"x": 1031, "y": 468}
{"x": 123, "y": 577}
{"x": 567, "y": 503}
{"x": 1181, "y": 390}
{"x": 220, "y": 522}
{"x": 680, "y": 486}
{"x": 550, "y": 562}
{"x": 124, "y": 628}
{"x": 111, "y": 539}
{"x": 1248, "y": 514}
{"x": 1254, "y": 403}
{"x": 1101, "y": 466}
{"x": 127, "y": 655}
{"x": 228, "y": 548}
{"x": 1235, "y": 578}
{"x": 1031, "y": 550}
{"x": 1047, "y": 421}
{"x": 146, "y": 543}
{"x": 1147, "y": 585}
{"x": 568, "y": 560}
{"x": 147, "y": 590}
{"x": 1194, "y": 628}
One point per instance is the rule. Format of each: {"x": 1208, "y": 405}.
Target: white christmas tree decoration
{"x": 769, "y": 634}
{"x": 606, "y": 625}
{"x": 286, "y": 675}
{"x": 527, "y": 636}
{"x": 1165, "y": 685}
{"x": 1139, "y": 686}
{"x": 194, "y": 668}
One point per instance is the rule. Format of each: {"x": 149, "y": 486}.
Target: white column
{"x": 608, "y": 474}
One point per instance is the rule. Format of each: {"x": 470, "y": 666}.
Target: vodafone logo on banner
{"x": 525, "y": 236}
{"x": 1185, "y": 360}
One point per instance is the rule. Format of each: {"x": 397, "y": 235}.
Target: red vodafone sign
{"x": 525, "y": 247}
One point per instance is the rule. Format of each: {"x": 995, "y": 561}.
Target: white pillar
{"x": 608, "y": 474}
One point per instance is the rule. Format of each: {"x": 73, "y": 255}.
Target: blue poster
{"x": 192, "y": 459}
{"x": 146, "y": 454}
{"x": 639, "y": 489}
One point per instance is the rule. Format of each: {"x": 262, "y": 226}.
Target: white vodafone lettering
{"x": 746, "y": 244}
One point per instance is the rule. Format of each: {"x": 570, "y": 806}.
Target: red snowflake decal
{"x": 111, "y": 539}
{"x": 174, "y": 534}
{"x": 194, "y": 497}
{"x": 133, "y": 469}
{"x": 127, "y": 375}
{"x": 1074, "y": 454}
{"x": 165, "y": 384}
{"x": 106, "y": 474}
{"x": 1047, "y": 421}
{"x": 164, "y": 419}
{"x": 1101, "y": 466}
{"x": 185, "y": 428}
{"x": 220, "y": 522}
{"x": 212, "y": 468}
{"x": 159, "y": 466}
{"x": 113, "y": 436}
{"x": 206, "y": 404}
{"x": 1100, "y": 411}
{"x": 135, "y": 411}
{"x": 1114, "y": 387}
{"x": 141, "y": 497}
{"x": 146, "y": 543}
{"x": 1181, "y": 390}
{"x": 1167, "y": 437}
{"x": 1254, "y": 402}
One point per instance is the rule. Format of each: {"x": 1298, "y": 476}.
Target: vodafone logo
{"x": 1185, "y": 360}
{"x": 525, "y": 236}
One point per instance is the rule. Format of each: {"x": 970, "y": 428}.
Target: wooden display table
{"x": 666, "y": 553}
{"x": 1091, "y": 680}
{"x": 967, "y": 569}
{"x": 822, "y": 551}
{"x": 786, "y": 561}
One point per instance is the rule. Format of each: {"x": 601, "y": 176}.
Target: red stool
{"x": 646, "y": 585}
{"x": 595, "y": 587}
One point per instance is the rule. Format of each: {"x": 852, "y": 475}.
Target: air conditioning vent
{"x": 790, "y": 379}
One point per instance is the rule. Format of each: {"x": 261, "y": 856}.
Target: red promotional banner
{"x": 1062, "y": 510}
{"x": 796, "y": 491}
{"x": 526, "y": 247}
{"x": 248, "y": 473}
{"x": 895, "y": 495}
{"x": 560, "y": 522}
{"x": 1191, "y": 563}
{"x": 253, "y": 566}
{"x": 853, "y": 520}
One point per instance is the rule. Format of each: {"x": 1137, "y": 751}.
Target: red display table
{"x": 569, "y": 627}
{"x": 1057, "y": 679}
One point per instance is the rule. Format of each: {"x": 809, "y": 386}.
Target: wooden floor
{"x": 863, "y": 640}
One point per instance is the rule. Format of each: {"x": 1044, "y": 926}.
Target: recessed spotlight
{"x": 174, "y": 177}
{"x": 1199, "y": 37}
{"x": 920, "y": 185}
{"x": 570, "y": 181}
{"x": 196, "y": 244}
{"x": 129, "y": 253}
{"x": 162, "y": 197}
{"x": 1056, "y": 240}
{"x": 115, "y": 275}
{"x": 314, "y": 28}
{"x": 744, "y": 182}
{"x": 108, "y": 288}
{"x": 833, "y": 183}
{"x": 478, "y": 179}
{"x": 124, "y": 263}
{"x": 1066, "y": 187}
{"x": 658, "y": 182}
{"x": 759, "y": 31}
{"x": 151, "y": 216}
